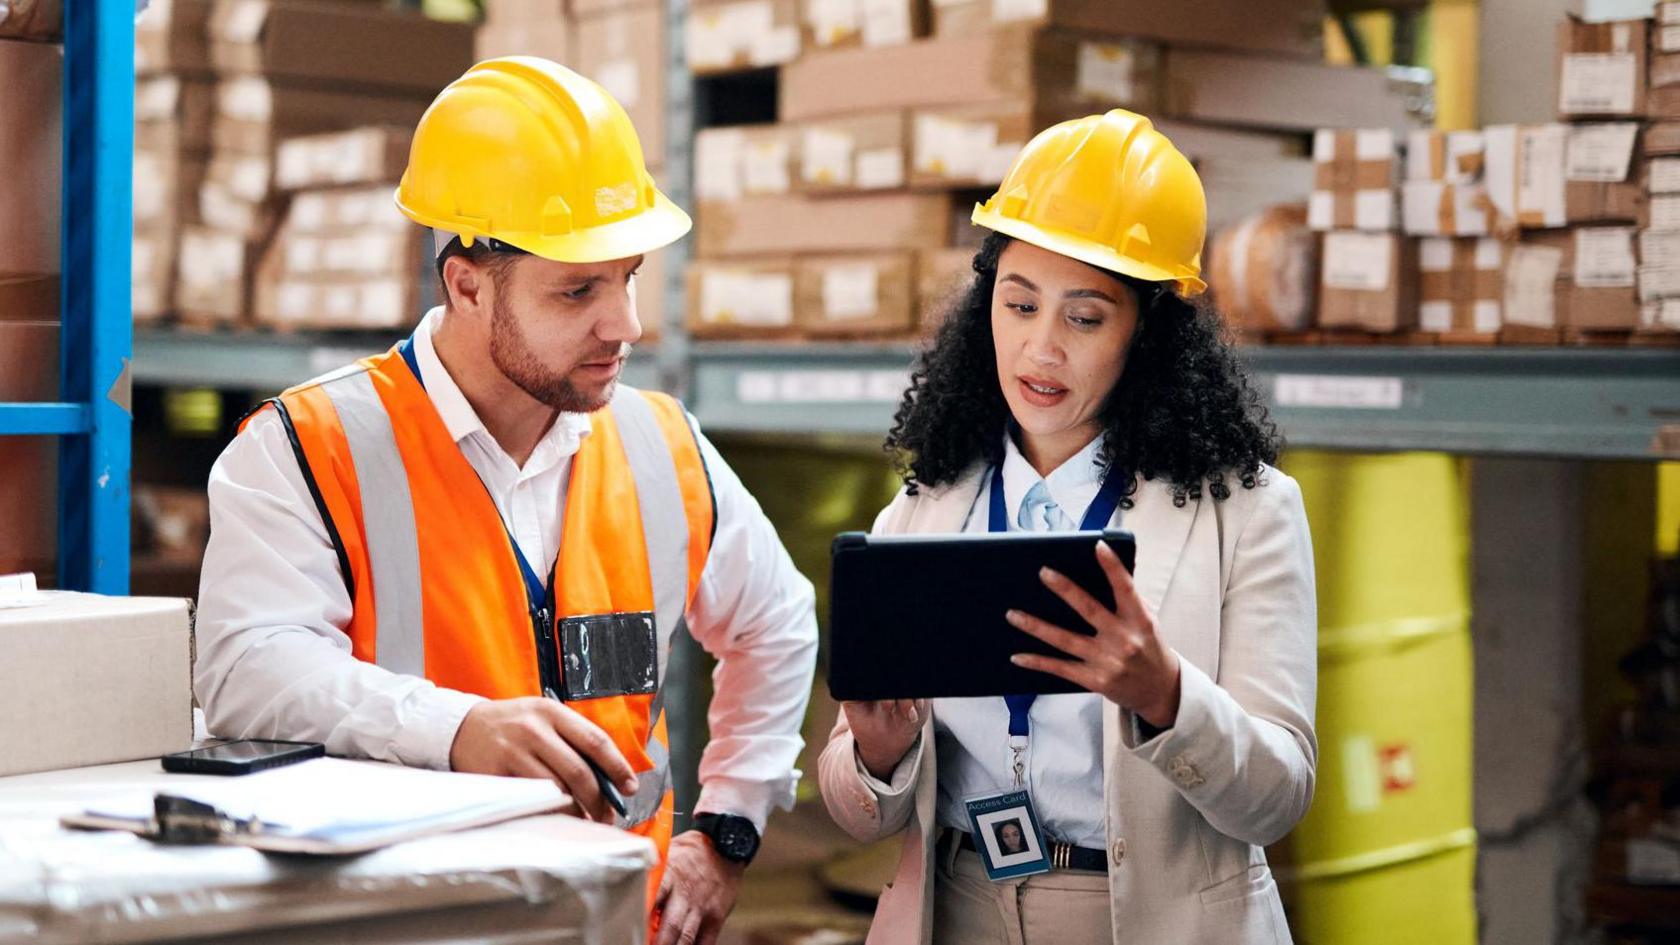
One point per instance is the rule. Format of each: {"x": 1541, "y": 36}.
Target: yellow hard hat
{"x": 1111, "y": 191}
{"x": 527, "y": 152}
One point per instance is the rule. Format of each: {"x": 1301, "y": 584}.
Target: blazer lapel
{"x": 1161, "y": 529}
{"x": 945, "y": 509}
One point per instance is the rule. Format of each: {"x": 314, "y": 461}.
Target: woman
{"x": 1075, "y": 379}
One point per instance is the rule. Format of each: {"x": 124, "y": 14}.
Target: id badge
{"x": 608, "y": 655}
{"x": 1007, "y": 835}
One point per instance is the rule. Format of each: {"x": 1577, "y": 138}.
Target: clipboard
{"x": 922, "y": 616}
{"x": 323, "y": 807}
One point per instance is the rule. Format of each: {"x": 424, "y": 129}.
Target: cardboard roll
{"x": 1263, "y": 271}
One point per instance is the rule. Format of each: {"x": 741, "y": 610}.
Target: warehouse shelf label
{"x": 821, "y": 386}
{"x": 1339, "y": 392}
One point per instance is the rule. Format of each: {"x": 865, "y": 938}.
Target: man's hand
{"x": 536, "y": 737}
{"x": 698, "y": 891}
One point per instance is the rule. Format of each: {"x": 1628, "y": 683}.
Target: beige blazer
{"x": 1231, "y": 586}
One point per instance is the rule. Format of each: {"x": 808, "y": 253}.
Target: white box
{"x": 90, "y": 680}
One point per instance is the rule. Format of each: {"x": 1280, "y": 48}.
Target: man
{"x": 471, "y": 552}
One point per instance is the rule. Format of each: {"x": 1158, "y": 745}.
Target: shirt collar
{"x": 459, "y": 417}
{"x": 1072, "y": 485}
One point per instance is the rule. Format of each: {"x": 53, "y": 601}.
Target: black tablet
{"x": 921, "y": 616}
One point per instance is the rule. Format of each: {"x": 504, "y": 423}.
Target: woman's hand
{"x": 1126, "y": 662}
{"x": 884, "y": 731}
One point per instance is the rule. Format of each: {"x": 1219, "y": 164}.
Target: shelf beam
{"x": 44, "y": 419}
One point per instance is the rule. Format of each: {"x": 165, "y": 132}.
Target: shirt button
{"x": 1116, "y": 852}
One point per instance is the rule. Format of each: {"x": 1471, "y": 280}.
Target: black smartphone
{"x": 243, "y": 756}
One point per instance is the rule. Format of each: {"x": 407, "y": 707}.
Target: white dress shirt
{"x": 274, "y": 660}
{"x": 1064, "y": 773}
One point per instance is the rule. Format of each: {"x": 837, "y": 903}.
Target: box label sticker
{"x": 1005, "y": 11}
{"x": 826, "y": 158}
{"x": 1106, "y": 72}
{"x": 850, "y": 292}
{"x": 1659, "y": 282}
{"x": 1540, "y": 182}
{"x": 717, "y": 165}
{"x": 880, "y": 169}
{"x": 1598, "y": 84}
{"x": 886, "y": 22}
{"x": 1665, "y": 176}
{"x": 764, "y": 166}
{"x": 1600, "y": 152}
{"x": 1360, "y": 262}
{"x": 1531, "y": 286}
{"x": 1435, "y": 316}
{"x": 621, "y": 80}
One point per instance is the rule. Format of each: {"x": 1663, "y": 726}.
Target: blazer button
{"x": 1116, "y": 852}
{"x": 868, "y": 807}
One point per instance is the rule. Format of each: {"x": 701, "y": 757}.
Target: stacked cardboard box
{"x": 173, "y": 106}
{"x": 526, "y": 28}
{"x": 1368, "y": 276}
{"x": 735, "y": 35}
{"x": 343, "y": 257}
{"x": 285, "y": 68}
{"x": 31, "y": 148}
{"x": 39, "y": 20}
{"x": 878, "y": 122}
{"x": 1659, "y": 241}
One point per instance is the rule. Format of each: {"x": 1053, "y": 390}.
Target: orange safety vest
{"x": 436, "y": 584}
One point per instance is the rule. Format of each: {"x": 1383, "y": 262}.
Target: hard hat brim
{"x": 654, "y": 228}
{"x": 1082, "y": 249}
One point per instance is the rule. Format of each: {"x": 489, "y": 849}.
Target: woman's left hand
{"x": 1126, "y": 661}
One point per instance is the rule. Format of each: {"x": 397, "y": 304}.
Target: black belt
{"x": 1063, "y": 856}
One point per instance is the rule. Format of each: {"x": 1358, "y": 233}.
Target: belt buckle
{"x": 1061, "y": 855}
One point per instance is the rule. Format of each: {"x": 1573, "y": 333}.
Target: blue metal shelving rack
{"x": 92, "y": 418}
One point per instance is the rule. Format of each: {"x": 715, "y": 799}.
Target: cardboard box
{"x": 1355, "y": 175}
{"x": 763, "y": 226}
{"x": 1230, "y": 88}
{"x": 166, "y": 186}
{"x": 93, "y": 680}
{"x": 845, "y": 23}
{"x": 38, "y": 20}
{"x": 31, "y": 151}
{"x": 1263, "y": 272}
{"x": 1525, "y": 175}
{"x": 1596, "y": 280}
{"x": 213, "y": 278}
{"x": 326, "y": 211}
{"x": 253, "y": 115}
{"x": 1666, "y": 36}
{"x": 651, "y": 289}
{"x": 153, "y": 257}
{"x": 29, "y": 359}
{"x": 623, "y": 51}
{"x": 1280, "y": 27}
{"x": 1452, "y": 157}
{"x": 1659, "y": 271}
{"x": 855, "y": 295}
{"x": 1661, "y": 176}
{"x": 749, "y": 34}
{"x": 1368, "y": 282}
{"x": 753, "y": 160}
{"x": 360, "y": 44}
{"x": 356, "y": 303}
{"x": 1059, "y": 73}
{"x": 1213, "y": 141}
{"x": 851, "y": 154}
{"x": 173, "y": 36}
{"x": 1660, "y": 138}
{"x": 170, "y": 519}
{"x": 1461, "y": 286}
{"x": 943, "y": 276}
{"x": 1660, "y": 317}
{"x": 740, "y": 298}
{"x": 1602, "y": 68}
{"x": 363, "y": 156}
{"x": 1432, "y": 208}
{"x": 172, "y": 113}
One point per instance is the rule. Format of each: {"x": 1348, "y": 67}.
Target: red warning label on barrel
{"x": 1398, "y": 774}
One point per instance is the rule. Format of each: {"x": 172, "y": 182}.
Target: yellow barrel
{"x": 1387, "y": 853}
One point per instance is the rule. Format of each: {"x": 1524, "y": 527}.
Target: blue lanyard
{"x": 1096, "y": 518}
{"x": 535, "y": 593}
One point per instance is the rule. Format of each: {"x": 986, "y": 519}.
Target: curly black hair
{"x": 1184, "y": 409}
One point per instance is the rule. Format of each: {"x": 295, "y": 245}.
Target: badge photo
{"x": 1007, "y": 835}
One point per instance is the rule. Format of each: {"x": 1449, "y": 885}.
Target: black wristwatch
{"x": 735, "y": 838}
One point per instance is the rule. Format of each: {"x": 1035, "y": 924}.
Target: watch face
{"x": 736, "y": 838}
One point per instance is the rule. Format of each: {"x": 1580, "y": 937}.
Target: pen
{"x": 601, "y": 780}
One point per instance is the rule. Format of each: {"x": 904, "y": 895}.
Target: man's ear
{"x": 468, "y": 284}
